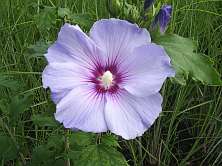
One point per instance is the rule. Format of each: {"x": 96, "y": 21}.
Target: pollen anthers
{"x": 106, "y": 79}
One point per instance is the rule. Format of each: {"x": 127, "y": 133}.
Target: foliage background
{"x": 188, "y": 132}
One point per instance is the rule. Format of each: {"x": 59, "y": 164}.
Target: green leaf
{"x": 18, "y": 105}
{"x": 8, "y": 150}
{"x": 59, "y": 162}
{"x": 83, "y": 19}
{"x": 43, "y": 120}
{"x": 50, "y": 153}
{"x": 110, "y": 140}
{"x": 62, "y": 12}
{"x": 187, "y": 62}
{"x": 46, "y": 18}
{"x": 81, "y": 138}
{"x": 98, "y": 155}
{"x": 42, "y": 156}
{"x": 8, "y": 82}
{"x": 56, "y": 142}
{"x": 84, "y": 152}
{"x": 38, "y": 49}
{"x": 3, "y": 106}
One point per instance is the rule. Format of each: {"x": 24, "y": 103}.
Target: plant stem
{"x": 140, "y": 151}
{"x": 67, "y": 162}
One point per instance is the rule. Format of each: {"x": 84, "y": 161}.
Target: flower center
{"x": 107, "y": 79}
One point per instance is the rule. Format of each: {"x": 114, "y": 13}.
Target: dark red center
{"x": 98, "y": 73}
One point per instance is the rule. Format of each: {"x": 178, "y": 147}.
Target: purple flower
{"x": 162, "y": 19}
{"x": 107, "y": 81}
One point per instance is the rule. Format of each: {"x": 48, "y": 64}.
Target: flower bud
{"x": 147, "y": 4}
{"x": 162, "y": 19}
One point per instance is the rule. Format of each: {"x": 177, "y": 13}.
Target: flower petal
{"x": 57, "y": 53}
{"x": 149, "y": 107}
{"x": 57, "y": 96}
{"x": 74, "y": 45}
{"x": 82, "y": 109}
{"x": 118, "y": 37}
{"x": 147, "y": 68}
{"x": 130, "y": 116}
{"x": 63, "y": 76}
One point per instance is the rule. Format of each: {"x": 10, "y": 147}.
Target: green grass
{"x": 189, "y": 130}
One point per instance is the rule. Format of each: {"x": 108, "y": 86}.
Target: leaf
{"x": 59, "y": 162}
{"x": 38, "y": 49}
{"x": 62, "y": 12}
{"x": 84, "y": 152}
{"x": 98, "y": 155}
{"x": 81, "y": 138}
{"x": 50, "y": 153}
{"x": 46, "y": 18}
{"x": 187, "y": 62}
{"x": 56, "y": 142}
{"x": 8, "y": 150}
{"x": 43, "y": 120}
{"x": 83, "y": 19}
{"x": 8, "y": 82}
{"x": 18, "y": 105}
{"x": 110, "y": 140}
{"x": 3, "y": 106}
{"x": 42, "y": 156}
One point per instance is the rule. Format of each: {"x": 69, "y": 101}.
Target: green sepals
{"x": 187, "y": 62}
{"x": 8, "y": 150}
{"x": 122, "y": 9}
{"x": 157, "y": 8}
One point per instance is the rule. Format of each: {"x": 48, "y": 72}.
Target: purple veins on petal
{"x": 108, "y": 81}
{"x": 162, "y": 19}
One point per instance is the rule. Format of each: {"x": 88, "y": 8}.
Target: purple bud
{"x": 147, "y": 4}
{"x": 162, "y": 18}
